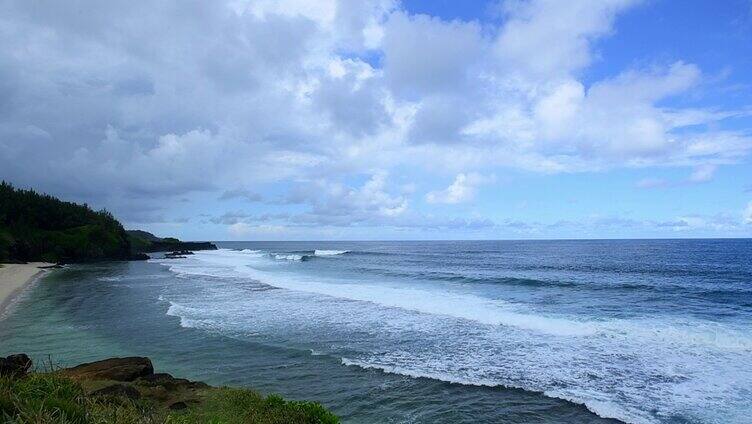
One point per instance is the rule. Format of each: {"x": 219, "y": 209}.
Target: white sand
{"x": 13, "y": 277}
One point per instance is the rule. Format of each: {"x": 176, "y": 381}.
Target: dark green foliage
{"x": 142, "y": 241}
{"x": 36, "y": 226}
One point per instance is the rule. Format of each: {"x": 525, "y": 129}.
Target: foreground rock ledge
{"x": 128, "y": 388}
{"x": 117, "y": 369}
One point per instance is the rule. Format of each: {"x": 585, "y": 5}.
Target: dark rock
{"x": 118, "y": 390}
{"x": 15, "y": 365}
{"x": 169, "y": 245}
{"x": 178, "y": 254}
{"x": 158, "y": 377}
{"x": 198, "y": 385}
{"x": 139, "y": 257}
{"x": 178, "y": 406}
{"x": 169, "y": 382}
{"x": 118, "y": 369}
{"x": 162, "y": 379}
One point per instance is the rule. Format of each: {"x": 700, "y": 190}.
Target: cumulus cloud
{"x": 747, "y": 214}
{"x": 244, "y": 230}
{"x": 463, "y": 189}
{"x": 563, "y": 30}
{"x": 425, "y": 55}
{"x": 700, "y": 174}
{"x": 335, "y": 202}
{"x": 100, "y": 103}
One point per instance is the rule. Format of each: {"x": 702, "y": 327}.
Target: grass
{"x": 52, "y": 398}
{"x": 232, "y": 406}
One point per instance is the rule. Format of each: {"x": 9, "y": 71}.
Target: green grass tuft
{"x": 230, "y": 406}
{"x": 52, "y": 398}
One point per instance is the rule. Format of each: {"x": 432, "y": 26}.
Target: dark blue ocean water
{"x": 648, "y": 331}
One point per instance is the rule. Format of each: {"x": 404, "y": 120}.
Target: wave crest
{"x": 323, "y": 252}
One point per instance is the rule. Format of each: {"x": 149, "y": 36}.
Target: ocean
{"x": 641, "y": 331}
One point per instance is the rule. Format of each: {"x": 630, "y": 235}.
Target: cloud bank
{"x": 113, "y": 102}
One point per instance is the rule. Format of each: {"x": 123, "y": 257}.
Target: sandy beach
{"x": 13, "y": 277}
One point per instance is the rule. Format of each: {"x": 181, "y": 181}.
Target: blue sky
{"x": 380, "y": 119}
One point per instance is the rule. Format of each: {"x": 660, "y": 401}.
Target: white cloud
{"x": 549, "y": 38}
{"x": 425, "y": 55}
{"x": 107, "y": 105}
{"x": 463, "y": 189}
{"x": 747, "y": 214}
{"x": 242, "y": 229}
{"x": 240, "y": 193}
{"x": 330, "y": 202}
{"x": 652, "y": 183}
{"x": 703, "y": 173}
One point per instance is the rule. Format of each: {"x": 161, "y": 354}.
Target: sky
{"x": 385, "y": 119}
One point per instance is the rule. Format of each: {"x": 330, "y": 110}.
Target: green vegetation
{"x": 53, "y": 398}
{"x": 39, "y": 227}
{"x": 142, "y": 241}
{"x": 230, "y": 406}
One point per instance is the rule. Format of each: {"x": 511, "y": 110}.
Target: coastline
{"x": 14, "y": 277}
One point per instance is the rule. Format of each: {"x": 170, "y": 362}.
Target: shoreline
{"x": 14, "y": 278}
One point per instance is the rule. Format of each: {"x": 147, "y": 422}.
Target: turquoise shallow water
{"x": 643, "y": 331}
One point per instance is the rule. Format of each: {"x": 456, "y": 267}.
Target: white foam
{"x": 638, "y": 370}
{"x": 318, "y": 252}
{"x": 255, "y": 253}
{"x": 466, "y": 306}
{"x": 288, "y": 257}
{"x": 188, "y": 316}
{"x": 110, "y": 279}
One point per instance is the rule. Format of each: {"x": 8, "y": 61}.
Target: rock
{"x": 171, "y": 256}
{"x": 15, "y": 365}
{"x": 118, "y": 369}
{"x": 169, "y": 382}
{"x": 198, "y": 385}
{"x": 178, "y": 406}
{"x": 179, "y": 253}
{"x": 118, "y": 390}
{"x": 158, "y": 377}
{"x": 139, "y": 257}
{"x": 162, "y": 379}
{"x": 155, "y": 392}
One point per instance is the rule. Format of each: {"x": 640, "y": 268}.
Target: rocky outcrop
{"x": 118, "y": 390}
{"x": 136, "y": 379}
{"x": 169, "y": 382}
{"x": 113, "y": 388}
{"x": 144, "y": 242}
{"x": 117, "y": 369}
{"x": 15, "y": 365}
{"x": 178, "y": 254}
{"x": 165, "y": 246}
